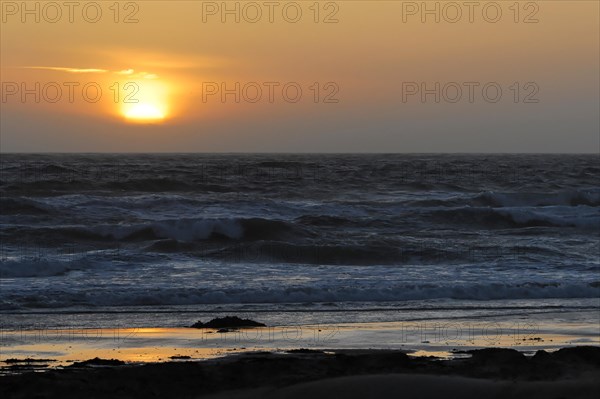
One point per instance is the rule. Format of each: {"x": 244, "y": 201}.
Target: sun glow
{"x": 148, "y": 103}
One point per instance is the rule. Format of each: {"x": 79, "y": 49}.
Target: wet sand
{"x": 356, "y": 360}
{"x": 441, "y": 338}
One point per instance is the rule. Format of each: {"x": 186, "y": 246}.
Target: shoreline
{"x": 440, "y": 338}
{"x": 568, "y": 372}
{"x": 470, "y": 358}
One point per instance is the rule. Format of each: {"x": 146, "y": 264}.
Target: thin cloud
{"x": 127, "y": 72}
{"x": 132, "y": 73}
{"x": 70, "y": 70}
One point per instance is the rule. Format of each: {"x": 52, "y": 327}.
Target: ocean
{"x": 160, "y": 240}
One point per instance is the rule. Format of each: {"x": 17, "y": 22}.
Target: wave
{"x": 330, "y": 220}
{"x": 519, "y": 217}
{"x": 590, "y": 197}
{"x": 36, "y": 168}
{"x": 187, "y": 230}
{"x": 166, "y": 185}
{"x": 572, "y": 198}
{"x": 114, "y": 185}
{"x": 365, "y": 254}
{"x": 34, "y": 268}
{"x": 301, "y": 294}
{"x": 60, "y": 264}
{"x": 22, "y": 206}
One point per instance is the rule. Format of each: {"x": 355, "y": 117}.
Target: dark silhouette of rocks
{"x": 98, "y": 362}
{"x": 505, "y": 370}
{"x": 228, "y": 322}
{"x": 180, "y": 357}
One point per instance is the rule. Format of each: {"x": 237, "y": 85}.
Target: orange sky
{"x": 179, "y": 55}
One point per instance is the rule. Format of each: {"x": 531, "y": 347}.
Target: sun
{"x": 144, "y": 112}
{"x": 147, "y": 103}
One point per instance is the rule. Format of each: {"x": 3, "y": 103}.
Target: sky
{"x": 303, "y": 76}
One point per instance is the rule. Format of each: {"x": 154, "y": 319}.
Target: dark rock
{"x": 28, "y": 360}
{"x": 228, "y": 322}
{"x": 498, "y": 356}
{"x": 197, "y": 324}
{"x": 304, "y": 350}
{"x": 579, "y": 354}
{"x": 98, "y": 362}
{"x": 179, "y": 357}
{"x": 541, "y": 356}
{"x": 258, "y": 353}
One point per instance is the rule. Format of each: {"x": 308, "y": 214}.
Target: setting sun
{"x": 144, "y": 101}
{"x": 144, "y": 112}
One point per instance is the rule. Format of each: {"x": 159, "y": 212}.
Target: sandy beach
{"x": 353, "y": 360}
{"x": 442, "y": 338}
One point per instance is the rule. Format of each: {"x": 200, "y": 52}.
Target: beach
{"x": 442, "y": 338}
{"x": 353, "y": 360}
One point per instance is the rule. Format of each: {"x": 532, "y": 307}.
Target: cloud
{"x": 148, "y": 75}
{"x": 128, "y": 72}
{"x": 70, "y": 70}
{"x": 131, "y": 72}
